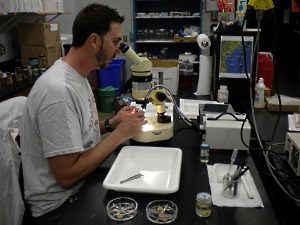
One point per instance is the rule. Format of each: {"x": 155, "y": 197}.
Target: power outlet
{"x": 2, "y": 49}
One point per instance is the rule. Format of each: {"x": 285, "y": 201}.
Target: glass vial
{"x": 25, "y": 72}
{"x": 204, "y": 153}
{"x": 186, "y": 69}
{"x": 223, "y": 94}
{"x": 9, "y": 78}
{"x": 42, "y": 61}
{"x": 35, "y": 72}
{"x": 19, "y": 74}
{"x": 33, "y": 62}
{"x": 203, "y": 204}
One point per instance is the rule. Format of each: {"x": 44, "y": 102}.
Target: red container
{"x": 265, "y": 68}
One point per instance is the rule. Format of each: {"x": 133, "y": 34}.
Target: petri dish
{"x": 161, "y": 211}
{"x": 122, "y": 209}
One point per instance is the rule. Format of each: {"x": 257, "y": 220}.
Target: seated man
{"x": 60, "y": 131}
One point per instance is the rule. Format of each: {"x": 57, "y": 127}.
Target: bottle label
{"x": 204, "y": 156}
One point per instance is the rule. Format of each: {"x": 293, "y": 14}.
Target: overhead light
{"x": 261, "y": 4}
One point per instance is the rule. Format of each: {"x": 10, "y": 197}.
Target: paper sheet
{"x": 190, "y": 107}
{"x": 242, "y": 201}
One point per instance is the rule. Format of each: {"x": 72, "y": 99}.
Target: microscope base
{"x": 154, "y": 131}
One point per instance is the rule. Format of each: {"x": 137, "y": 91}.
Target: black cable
{"x": 282, "y": 174}
{"x": 276, "y": 81}
{"x": 241, "y": 132}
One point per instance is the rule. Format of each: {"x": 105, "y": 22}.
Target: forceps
{"x": 132, "y": 178}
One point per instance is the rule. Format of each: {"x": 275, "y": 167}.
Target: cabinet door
{"x": 156, "y": 23}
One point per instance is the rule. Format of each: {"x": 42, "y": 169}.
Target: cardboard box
{"x": 177, "y": 38}
{"x": 38, "y": 33}
{"x": 170, "y": 70}
{"x": 52, "y": 53}
{"x": 286, "y": 106}
{"x": 267, "y": 92}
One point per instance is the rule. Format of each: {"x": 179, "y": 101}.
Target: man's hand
{"x": 122, "y": 114}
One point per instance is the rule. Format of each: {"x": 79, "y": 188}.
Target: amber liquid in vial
{"x": 203, "y": 204}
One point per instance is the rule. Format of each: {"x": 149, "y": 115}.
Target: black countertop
{"x": 90, "y": 207}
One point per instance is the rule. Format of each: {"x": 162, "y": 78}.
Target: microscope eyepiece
{"x": 124, "y": 47}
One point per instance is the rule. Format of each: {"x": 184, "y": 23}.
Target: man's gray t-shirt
{"x": 60, "y": 118}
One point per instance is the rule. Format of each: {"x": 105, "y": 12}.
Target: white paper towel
{"x": 203, "y": 41}
{"x": 205, "y": 75}
{"x": 242, "y": 201}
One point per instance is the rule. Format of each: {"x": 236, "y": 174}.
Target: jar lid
{"x": 204, "y": 197}
{"x": 204, "y": 146}
{"x": 223, "y": 87}
{"x": 187, "y": 56}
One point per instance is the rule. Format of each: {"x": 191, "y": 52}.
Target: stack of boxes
{"x": 37, "y": 39}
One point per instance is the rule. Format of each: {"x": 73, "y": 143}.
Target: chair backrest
{"x": 12, "y": 206}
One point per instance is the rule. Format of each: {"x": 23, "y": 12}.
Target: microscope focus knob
{"x": 160, "y": 96}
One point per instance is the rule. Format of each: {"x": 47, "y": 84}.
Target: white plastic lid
{"x": 223, "y": 87}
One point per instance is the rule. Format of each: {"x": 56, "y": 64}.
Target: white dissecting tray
{"x": 160, "y": 166}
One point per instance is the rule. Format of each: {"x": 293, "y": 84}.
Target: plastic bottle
{"x": 204, "y": 153}
{"x": 260, "y": 94}
{"x": 223, "y": 94}
{"x": 186, "y": 69}
{"x": 239, "y": 15}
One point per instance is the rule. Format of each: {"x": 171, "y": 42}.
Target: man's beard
{"x": 101, "y": 59}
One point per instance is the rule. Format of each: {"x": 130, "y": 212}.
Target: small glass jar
{"x": 186, "y": 69}
{"x": 9, "y": 78}
{"x": 42, "y": 70}
{"x": 42, "y": 61}
{"x": 35, "y": 72}
{"x": 30, "y": 70}
{"x": 19, "y": 74}
{"x": 25, "y": 72}
{"x": 33, "y": 62}
{"x": 203, "y": 204}
{"x": 204, "y": 153}
{"x": 231, "y": 187}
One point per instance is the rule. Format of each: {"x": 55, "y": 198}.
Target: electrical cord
{"x": 169, "y": 95}
{"x": 272, "y": 169}
{"x": 268, "y": 163}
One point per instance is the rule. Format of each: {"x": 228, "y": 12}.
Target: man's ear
{"x": 95, "y": 40}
